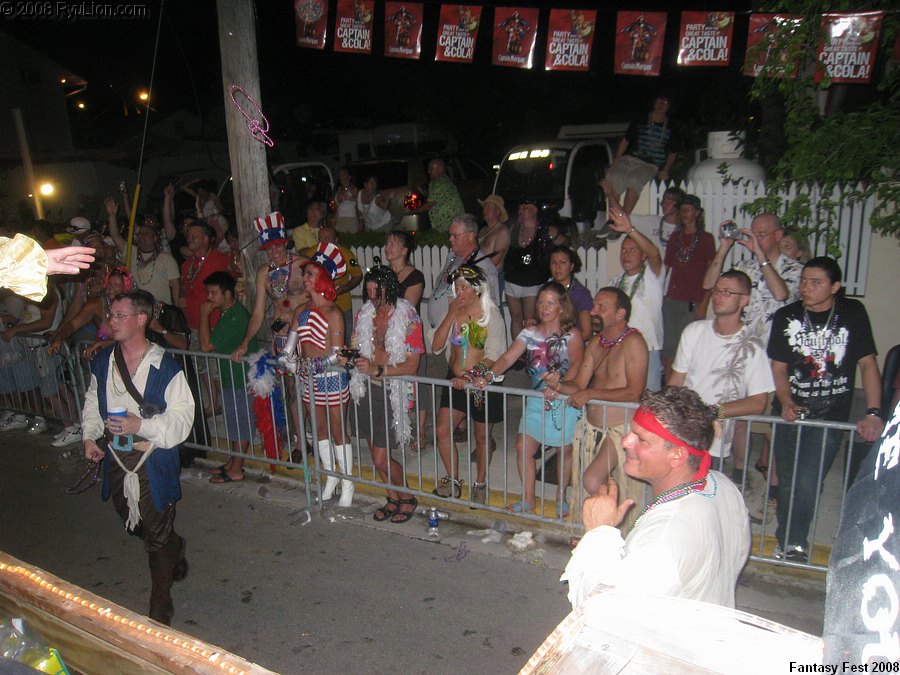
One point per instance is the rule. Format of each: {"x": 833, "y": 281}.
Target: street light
{"x": 144, "y": 96}
{"x": 80, "y": 105}
{"x": 46, "y": 189}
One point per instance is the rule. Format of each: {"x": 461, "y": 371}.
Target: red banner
{"x": 848, "y": 51}
{"x": 514, "y": 32}
{"x": 457, "y": 33}
{"x": 311, "y": 17}
{"x": 403, "y": 29}
{"x": 639, "y": 43}
{"x": 762, "y": 36}
{"x": 353, "y": 26}
{"x": 705, "y": 38}
{"x": 569, "y": 39}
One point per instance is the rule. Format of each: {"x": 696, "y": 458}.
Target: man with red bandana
{"x": 693, "y": 537}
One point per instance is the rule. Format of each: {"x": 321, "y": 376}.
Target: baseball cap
{"x": 78, "y": 225}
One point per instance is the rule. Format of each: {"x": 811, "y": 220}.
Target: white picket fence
{"x": 720, "y": 202}
{"x": 723, "y": 202}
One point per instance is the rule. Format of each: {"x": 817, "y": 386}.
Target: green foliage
{"x": 849, "y": 154}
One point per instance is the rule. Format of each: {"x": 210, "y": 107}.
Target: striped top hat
{"x": 271, "y": 230}
{"x": 329, "y": 257}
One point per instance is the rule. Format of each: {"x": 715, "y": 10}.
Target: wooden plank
{"x": 618, "y": 632}
{"x": 89, "y": 630}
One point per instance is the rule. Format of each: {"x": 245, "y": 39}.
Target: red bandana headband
{"x": 648, "y": 421}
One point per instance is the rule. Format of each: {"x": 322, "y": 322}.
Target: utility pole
{"x": 240, "y": 65}
{"x": 26, "y": 163}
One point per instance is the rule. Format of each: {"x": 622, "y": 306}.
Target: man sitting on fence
{"x": 692, "y": 540}
{"x": 614, "y": 368}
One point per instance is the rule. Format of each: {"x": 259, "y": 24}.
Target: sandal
{"x": 385, "y": 511}
{"x": 404, "y": 516}
{"x": 762, "y": 468}
{"x": 520, "y": 507}
{"x": 562, "y": 509}
{"x": 448, "y": 488}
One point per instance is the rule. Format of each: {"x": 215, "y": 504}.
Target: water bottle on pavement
{"x": 432, "y": 532}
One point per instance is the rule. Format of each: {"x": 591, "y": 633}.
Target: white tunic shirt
{"x": 693, "y": 547}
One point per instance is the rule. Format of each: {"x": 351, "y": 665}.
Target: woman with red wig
{"x": 317, "y": 333}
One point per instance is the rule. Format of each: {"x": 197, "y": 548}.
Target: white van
{"x": 561, "y": 174}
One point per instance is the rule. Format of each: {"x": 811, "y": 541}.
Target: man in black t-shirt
{"x": 816, "y": 345}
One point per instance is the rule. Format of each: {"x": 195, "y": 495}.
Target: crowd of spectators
{"x": 639, "y": 330}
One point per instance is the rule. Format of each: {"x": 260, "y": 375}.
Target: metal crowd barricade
{"x": 33, "y": 383}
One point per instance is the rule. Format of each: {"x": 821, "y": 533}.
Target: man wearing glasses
{"x": 775, "y": 277}
{"x": 724, "y": 361}
{"x": 139, "y": 448}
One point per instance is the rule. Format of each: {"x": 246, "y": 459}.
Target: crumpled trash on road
{"x": 488, "y": 536}
{"x": 522, "y": 541}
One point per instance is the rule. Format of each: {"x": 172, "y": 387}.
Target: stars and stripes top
{"x": 313, "y": 328}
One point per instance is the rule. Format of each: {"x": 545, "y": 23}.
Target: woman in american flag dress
{"x": 319, "y": 330}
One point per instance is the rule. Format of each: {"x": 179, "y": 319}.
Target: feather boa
{"x": 395, "y": 344}
{"x": 267, "y": 406}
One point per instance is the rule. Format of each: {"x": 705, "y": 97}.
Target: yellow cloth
{"x": 23, "y": 267}
{"x": 343, "y": 301}
{"x": 305, "y": 237}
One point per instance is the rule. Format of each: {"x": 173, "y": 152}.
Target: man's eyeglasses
{"x": 119, "y": 316}
{"x": 763, "y": 235}
{"x": 724, "y": 292}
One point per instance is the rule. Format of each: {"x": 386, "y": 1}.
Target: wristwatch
{"x": 379, "y": 371}
{"x": 876, "y": 412}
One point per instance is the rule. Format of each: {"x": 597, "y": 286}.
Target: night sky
{"x": 487, "y": 107}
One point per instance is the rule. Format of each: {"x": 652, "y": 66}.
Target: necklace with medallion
{"x": 677, "y": 492}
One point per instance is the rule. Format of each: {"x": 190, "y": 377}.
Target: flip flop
{"x": 218, "y": 469}
{"x": 520, "y": 507}
{"x": 223, "y": 477}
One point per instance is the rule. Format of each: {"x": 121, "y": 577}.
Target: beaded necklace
{"x": 677, "y": 492}
{"x": 634, "y": 286}
{"x": 684, "y": 253}
{"x": 141, "y": 265}
{"x": 280, "y": 278}
{"x": 606, "y": 343}
{"x": 195, "y": 266}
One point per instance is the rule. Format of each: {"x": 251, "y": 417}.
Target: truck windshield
{"x": 536, "y": 173}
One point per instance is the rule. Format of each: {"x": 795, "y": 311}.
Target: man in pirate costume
{"x": 281, "y": 281}
{"x": 614, "y": 368}
{"x": 642, "y": 281}
{"x": 692, "y": 540}
{"x": 815, "y": 347}
{"x": 389, "y": 338}
{"x": 143, "y": 477}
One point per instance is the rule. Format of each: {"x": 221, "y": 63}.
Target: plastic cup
{"x": 118, "y": 411}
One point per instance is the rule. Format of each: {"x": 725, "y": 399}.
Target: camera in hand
{"x": 278, "y": 324}
{"x": 349, "y": 354}
{"x": 730, "y": 230}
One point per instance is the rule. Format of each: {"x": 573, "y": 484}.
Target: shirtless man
{"x": 493, "y": 239}
{"x": 614, "y": 368}
{"x": 281, "y": 279}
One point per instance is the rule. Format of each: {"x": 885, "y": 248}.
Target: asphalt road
{"x": 333, "y": 593}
